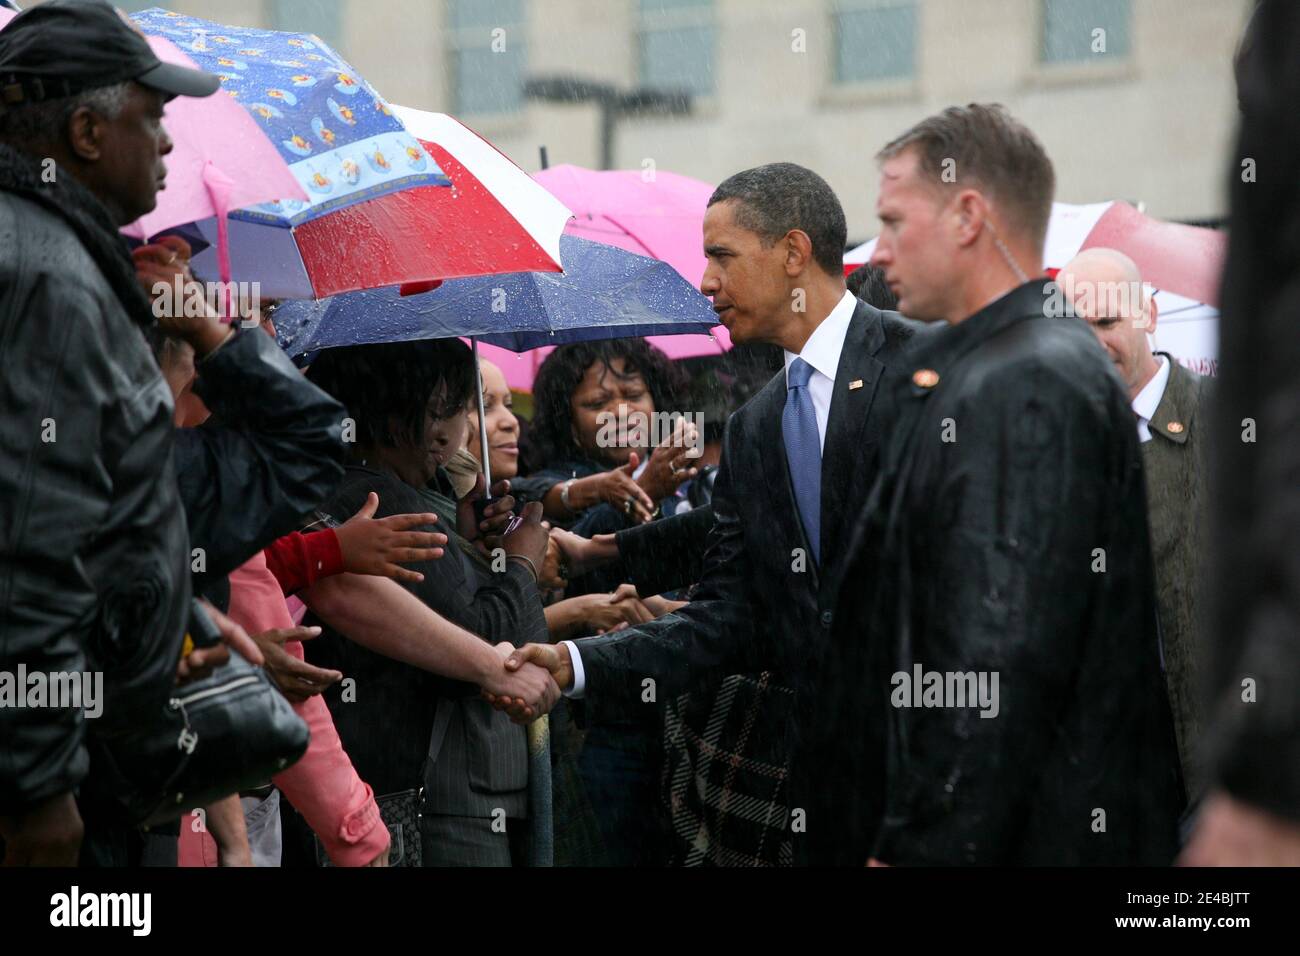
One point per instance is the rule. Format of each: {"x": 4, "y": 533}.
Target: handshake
{"x": 528, "y": 679}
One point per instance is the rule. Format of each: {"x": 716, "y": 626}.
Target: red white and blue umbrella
{"x": 381, "y": 208}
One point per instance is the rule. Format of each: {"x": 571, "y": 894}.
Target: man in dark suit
{"x": 996, "y": 613}
{"x": 796, "y": 460}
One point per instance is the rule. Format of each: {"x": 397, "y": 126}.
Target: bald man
{"x": 1106, "y": 289}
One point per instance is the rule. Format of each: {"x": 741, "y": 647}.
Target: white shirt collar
{"x": 823, "y": 348}
{"x": 1148, "y": 400}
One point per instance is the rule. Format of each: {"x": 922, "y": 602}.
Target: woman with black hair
{"x": 596, "y": 405}
{"x": 405, "y": 727}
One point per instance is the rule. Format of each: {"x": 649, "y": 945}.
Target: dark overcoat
{"x": 1006, "y": 535}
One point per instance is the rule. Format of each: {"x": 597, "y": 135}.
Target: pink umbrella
{"x": 221, "y": 160}
{"x": 657, "y": 214}
{"x": 652, "y": 213}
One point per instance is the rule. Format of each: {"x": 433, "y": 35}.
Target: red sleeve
{"x": 300, "y": 560}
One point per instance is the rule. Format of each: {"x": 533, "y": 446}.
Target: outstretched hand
{"x": 584, "y": 554}
{"x": 618, "y": 488}
{"x": 380, "y": 546}
{"x": 296, "y": 679}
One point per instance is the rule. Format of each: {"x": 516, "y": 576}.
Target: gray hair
{"x": 37, "y": 124}
{"x": 776, "y": 198}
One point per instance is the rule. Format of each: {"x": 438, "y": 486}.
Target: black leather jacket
{"x": 256, "y": 470}
{"x": 94, "y": 556}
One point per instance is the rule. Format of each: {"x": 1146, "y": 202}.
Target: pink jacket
{"x": 322, "y": 786}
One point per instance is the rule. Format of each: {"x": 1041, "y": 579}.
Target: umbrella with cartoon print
{"x": 371, "y": 190}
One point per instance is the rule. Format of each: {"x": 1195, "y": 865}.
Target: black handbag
{"x": 230, "y": 731}
{"x": 401, "y": 814}
{"x": 401, "y": 810}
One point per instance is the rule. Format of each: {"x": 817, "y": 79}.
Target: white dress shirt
{"x": 1148, "y": 400}
{"x": 822, "y": 352}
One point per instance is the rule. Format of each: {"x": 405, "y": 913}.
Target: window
{"x": 676, "y": 39}
{"x": 1076, "y": 30}
{"x": 874, "y": 40}
{"x": 321, "y": 17}
{"x": 486, "y": 55}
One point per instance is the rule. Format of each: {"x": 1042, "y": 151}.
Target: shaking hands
{"x": 531, "y": 680}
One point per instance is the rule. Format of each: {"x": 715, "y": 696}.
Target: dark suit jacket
{"x": 483, "y": 761}
{"x": 1004, "y": 486}
{"x": 763, "y": 604}
{"x": 666, "y": 554}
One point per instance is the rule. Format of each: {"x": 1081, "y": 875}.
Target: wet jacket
{"x": 1006, "y": 535}
{"x": 94, "y": 559}
{"x": 259, "y": 467}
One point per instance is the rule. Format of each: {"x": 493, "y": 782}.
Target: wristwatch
{"x": 564, "y": 496}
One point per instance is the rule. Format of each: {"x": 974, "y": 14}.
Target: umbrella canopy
{"x": 1183, "y": 263}
{"x": 650, "y": 212}
{"x": 373, "y": 192}
{"x": 603, "y": 293}
{"x": 220, "y": 159}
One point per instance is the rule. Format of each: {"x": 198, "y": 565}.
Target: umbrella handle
{"x": 219, "y": 185}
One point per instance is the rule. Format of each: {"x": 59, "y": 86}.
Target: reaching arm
{"x": 381, "y": 615}
{"x": 272, "y": 453}
{"x": 667, "y": 554}
{"x": 299, "y": 560}
{"x": 693, "y": 647}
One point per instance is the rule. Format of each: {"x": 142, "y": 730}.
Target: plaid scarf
{"x": 726, "y": 760}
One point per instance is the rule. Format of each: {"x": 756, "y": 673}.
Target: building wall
{"x": 1154, "y": 128}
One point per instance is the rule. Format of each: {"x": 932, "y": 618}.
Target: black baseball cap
{"x": 65, "y": 47}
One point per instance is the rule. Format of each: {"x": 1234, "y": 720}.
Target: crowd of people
{"x": 938, "y": 592}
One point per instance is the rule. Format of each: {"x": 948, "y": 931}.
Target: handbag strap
{"x": 440, "y": 721}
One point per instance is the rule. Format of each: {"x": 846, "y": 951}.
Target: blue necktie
{"x": 803, "y": 451}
